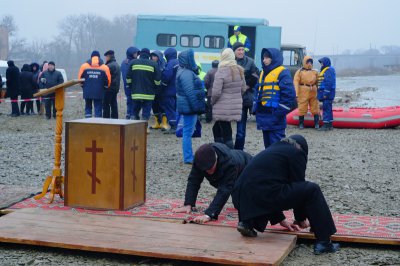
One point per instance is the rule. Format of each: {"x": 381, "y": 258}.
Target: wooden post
{"x": 56, "y": 180}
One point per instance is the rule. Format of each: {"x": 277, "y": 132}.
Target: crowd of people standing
{"x": 174, "y": 88}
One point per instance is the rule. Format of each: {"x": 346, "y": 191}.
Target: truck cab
{"x": 293, "y": 55}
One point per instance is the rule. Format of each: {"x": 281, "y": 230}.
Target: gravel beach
{"x": 358, "y": 171}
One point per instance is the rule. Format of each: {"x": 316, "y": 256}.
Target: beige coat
{"x": 228, "y": 88}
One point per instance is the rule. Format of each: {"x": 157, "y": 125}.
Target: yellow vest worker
{"x": 305, "y": 82}
{"x": 238, "y": 36}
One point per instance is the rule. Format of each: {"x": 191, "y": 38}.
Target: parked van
{"x": 208, "y": 35}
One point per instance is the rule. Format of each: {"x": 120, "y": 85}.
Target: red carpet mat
{"x": 350, "y": 228}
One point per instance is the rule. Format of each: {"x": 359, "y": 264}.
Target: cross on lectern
{"x": 92, "y": 174}
{"x": 133, "y": 172}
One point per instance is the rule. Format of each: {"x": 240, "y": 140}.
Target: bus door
{"x": 250, "y": 32}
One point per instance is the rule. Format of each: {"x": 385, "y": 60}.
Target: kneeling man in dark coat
{"x": 274, "y": 181}
{"x": 221, "y": 166}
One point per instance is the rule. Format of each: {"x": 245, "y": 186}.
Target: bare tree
{"x": 8, "y": 23}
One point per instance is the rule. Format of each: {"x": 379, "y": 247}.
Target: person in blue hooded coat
{"x": 190, "y": 100}
{"x": 275, "y": 97}
{"x": 131, "y": 53}
{"x": 160, "y": 120}
{"x": 168, "y": 90}
{"x": 326, "y": 91}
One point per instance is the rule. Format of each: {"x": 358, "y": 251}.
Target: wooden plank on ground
{"x": 343, "y": 238}
{"x": 143, "y": 237}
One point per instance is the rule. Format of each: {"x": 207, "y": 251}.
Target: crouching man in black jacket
{"x": 221, "y": 166}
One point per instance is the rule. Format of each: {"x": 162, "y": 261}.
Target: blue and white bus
{"x": 208, "y": 35}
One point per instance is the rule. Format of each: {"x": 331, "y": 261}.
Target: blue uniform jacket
{"x": 169, "y": 75}
{"x": 269, "y": 118}
{"x": 327, "y": 89}
{"x": 125, "y": 63}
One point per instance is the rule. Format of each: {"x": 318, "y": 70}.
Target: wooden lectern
{"x": 105, "y": 163}
{"x": 56, "y": 180}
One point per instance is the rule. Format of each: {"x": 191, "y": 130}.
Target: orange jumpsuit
{"x": 305, "y": 82}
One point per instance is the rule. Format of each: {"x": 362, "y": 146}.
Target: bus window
{"x": 290, "y": 58}
{"x": 215, "y": 42}
{"x": 168, "y": 40}
{"x": 190, "y": 40}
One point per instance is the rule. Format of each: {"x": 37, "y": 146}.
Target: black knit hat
{"x": 214, "y": 63}
{"x": 237, "y": 45}
{"x": 95, "y": 53}
{"x": 301, "y": 141}
{"x": 109, "y": 52}
{"x": 52, "y": 63}
{"x": 205, "y": 157}
{"x": 145, "y": 51}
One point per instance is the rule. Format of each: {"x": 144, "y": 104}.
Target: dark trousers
{"x": 327, "y": 114}
{"x": 50, "y": 104}
{"x": 168, "y": 104}
{"x": 14, "y": 105}
{"x": 208, "y": 110}
{"x": 144, "y": 105}
{"x": 308, "y": 202}
{"x": 129, "y": 104}
{"x": 37, "y": 105}
{"x": 157, "y": 108}
{"x": 241, "y": 130}
{"x": 29, "y": 107}
{"x": 110, "y": 105}
{"x": 98, "y": 107}
{"x": 222, "y": 131}
{"x": 272, "y": 136}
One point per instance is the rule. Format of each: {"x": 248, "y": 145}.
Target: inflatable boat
{"x": 354, "y": 117}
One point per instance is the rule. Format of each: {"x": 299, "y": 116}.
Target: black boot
{"x": 316, "y": 121}
{"x": 325, "y": 127}
{"x": 321, "y": 247}
{"x": 301, "y": 122}
{"x": 246, "y": 230}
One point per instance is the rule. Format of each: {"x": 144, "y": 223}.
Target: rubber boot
{"x": 156, "y": 123}
{"x": 316, "y": 121}
{"x": 164, "y": 123}
{"x": 171, "y": 130}
{"x": 301, "y": 122}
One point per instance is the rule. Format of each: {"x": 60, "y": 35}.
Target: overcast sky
{"x": 323, "y": 26}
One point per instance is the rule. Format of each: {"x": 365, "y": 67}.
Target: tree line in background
{"x": 78, "y": 35}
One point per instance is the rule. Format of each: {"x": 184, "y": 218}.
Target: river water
{"x": 385, "y": 90}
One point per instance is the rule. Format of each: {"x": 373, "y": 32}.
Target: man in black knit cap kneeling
{"x": 221, "y": 166}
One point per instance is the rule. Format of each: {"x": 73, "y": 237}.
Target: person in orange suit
{"x": 305, "y": 82}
